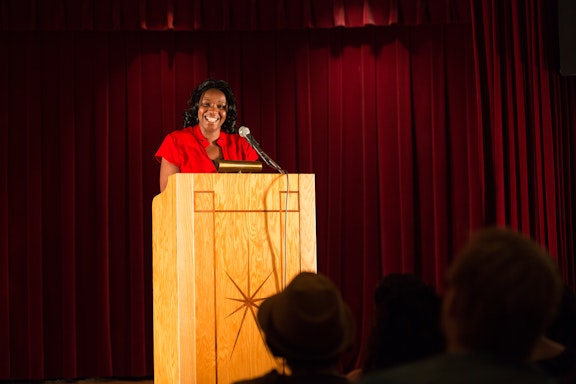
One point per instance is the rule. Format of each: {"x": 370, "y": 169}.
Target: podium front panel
{"x": 221, "y": 244}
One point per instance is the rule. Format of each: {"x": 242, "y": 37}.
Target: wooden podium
{"x": 221, "y": 244}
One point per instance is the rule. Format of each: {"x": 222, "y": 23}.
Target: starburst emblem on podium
{"x": 248, "y": 303}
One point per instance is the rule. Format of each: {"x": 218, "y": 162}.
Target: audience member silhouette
{"x": 501, "y": 293}
{"x": 310, "y": 326}
{"x": 406, "y": 323}
{"x": 555, "y": 352}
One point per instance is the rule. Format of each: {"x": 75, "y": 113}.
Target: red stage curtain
{"x": 398, "y": 122}
{"x": 372, "y": 112}
{"x": 528, "y": 116}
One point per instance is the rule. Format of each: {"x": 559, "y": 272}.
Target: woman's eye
{"x": 222, "y": 106}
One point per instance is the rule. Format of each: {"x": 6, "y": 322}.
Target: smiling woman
{"x": 209, "y": 134}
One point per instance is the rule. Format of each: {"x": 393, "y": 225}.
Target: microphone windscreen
{"x": 244, "y": 131}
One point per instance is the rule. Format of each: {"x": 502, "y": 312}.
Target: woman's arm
{"x": 166, "y": 169}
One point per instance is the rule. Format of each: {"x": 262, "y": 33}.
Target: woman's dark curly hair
{"x": 191, "y": 114}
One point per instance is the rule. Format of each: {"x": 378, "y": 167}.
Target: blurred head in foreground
{"x": 502, "y": 292}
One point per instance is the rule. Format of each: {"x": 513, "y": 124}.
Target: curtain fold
{"x": 522, "y": 102}
{"x": 185, "y": 15}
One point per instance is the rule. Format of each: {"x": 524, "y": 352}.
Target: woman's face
{"x": 212, "y": 110}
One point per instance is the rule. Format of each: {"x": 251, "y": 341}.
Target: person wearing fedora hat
{"x": 310, "y": 326}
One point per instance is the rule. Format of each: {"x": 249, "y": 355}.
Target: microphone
{"x": 245, "y": 133}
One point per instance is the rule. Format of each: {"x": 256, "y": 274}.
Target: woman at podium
{"x": 209, "y": 134}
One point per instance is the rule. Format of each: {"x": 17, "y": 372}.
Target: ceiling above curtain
{"x": 225, "y": 15}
